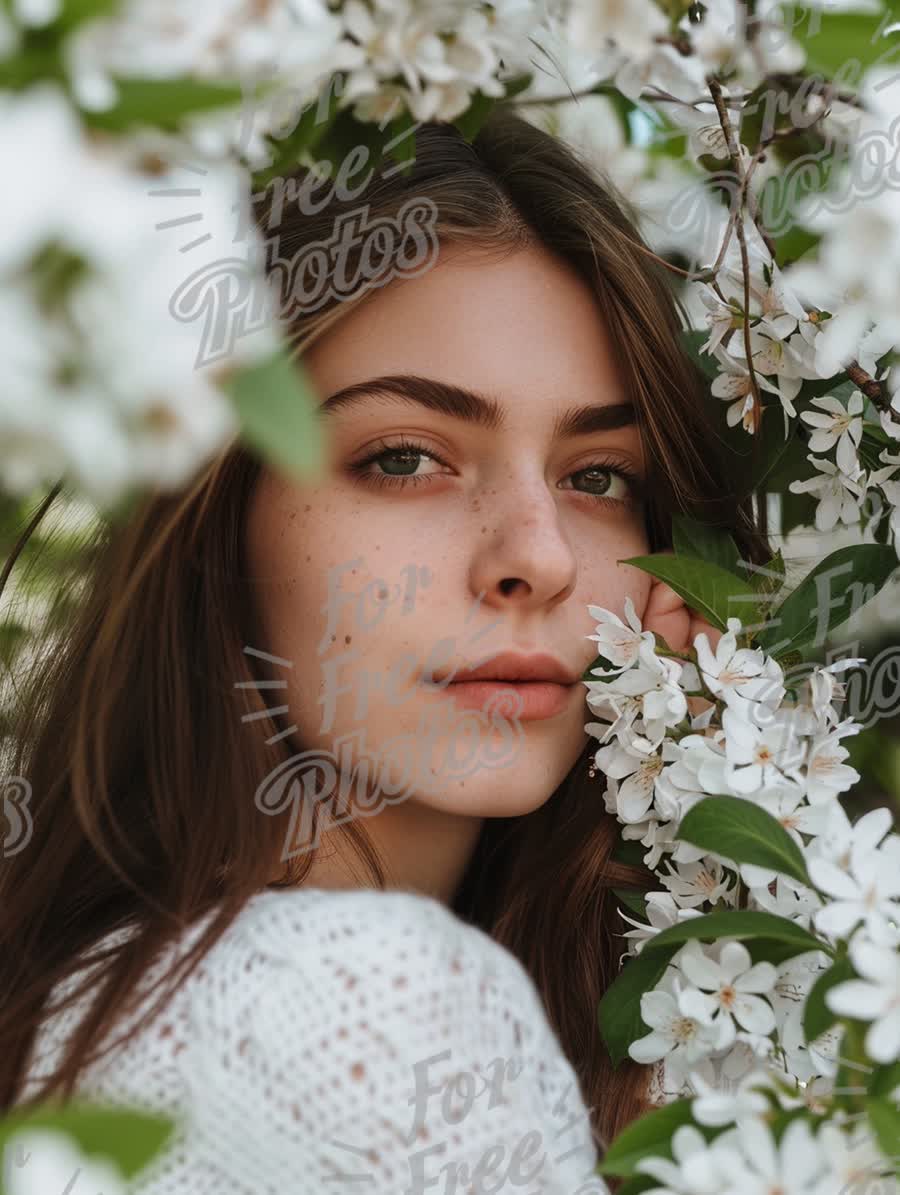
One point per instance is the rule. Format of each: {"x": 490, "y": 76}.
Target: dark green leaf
{"x": 277, "y": 411}
{"x": 470, "y": 121}
{"x": 884, "y": 1117}
{"x": 633, "y": 900}
{"x": 401, "y": 137}
{"x": 313, "y": 124}
{"x": 767, "y": 579}
{"x": 817, "y": 1016}
{"x": 710, "y": 590}
{"x": 630, "y": 851}
{"x": 834, "y": 39}
{"x": 690, "y": 538}
{"x": 648, "y": 1136}
{"x": 619, "y": 1012}
{"x": 828, "y": 595}
{"x": 742, "y": 924}
{"x": 162, "y": 103}
{"x": 130, "y": 1138}
{"x": 885, "y": 1080}
{"x": 73, "y": 13}
{"x": 745, "y": 832}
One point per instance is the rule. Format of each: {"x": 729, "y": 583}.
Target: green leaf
{"x": 287, "y": 151}
{"x": 832, "y": 40}
{"x": 129, "y": 1137}
{"x": 633, "y": 900}
{"x": 884, "y": 1117}
{"x": 648, "y": 1136}
{"x": 768, "y": 950}
{"x": 716, "y": 594}
{"x": 690, "y": 538}
{"x": 885, "y": 1080}
{"x": 469, "y": 122}
{"x": 517, "y": 83}
{"x": 75, "y": 12}
{"x": 619, "y": 1012}
{"x": 767, "y": 579}
{"x": 743, "y": 924}
{"x": 827, "y": 596}
{"x": 162, "y": 103}
{"x": 401, "y": 136}
{"x": 278, "y": 414}
{"x": 630, "y": 851}
{"x": 707, "y": 364}
{"x": 745, "y": 832}
{"x": 817, "y": 1016}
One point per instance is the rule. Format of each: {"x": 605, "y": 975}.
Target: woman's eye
{"x": 398, "y": 465}
{"x": 604, "y": 481}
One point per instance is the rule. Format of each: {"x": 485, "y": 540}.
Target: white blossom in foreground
{"x": 874, "y": 998}
{"x": 102, "y": 383}
{"x": 46, "y": 1161}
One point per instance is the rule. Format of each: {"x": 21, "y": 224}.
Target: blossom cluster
{"x": 87, "y": 224}
{"x": 676, "y": 730}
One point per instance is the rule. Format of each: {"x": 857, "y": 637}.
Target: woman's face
{"x": 485, "y": 537}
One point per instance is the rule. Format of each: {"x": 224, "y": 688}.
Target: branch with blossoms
{"x": 763, "y": 975}
{"x": 163, "y": 127}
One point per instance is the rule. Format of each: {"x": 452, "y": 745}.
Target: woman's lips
{"x": 540, "y": 699}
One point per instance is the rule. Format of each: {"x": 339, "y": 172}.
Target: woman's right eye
{"x": 403, "y": 457}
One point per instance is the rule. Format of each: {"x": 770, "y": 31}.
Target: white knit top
{"x": 347, "y": 1041}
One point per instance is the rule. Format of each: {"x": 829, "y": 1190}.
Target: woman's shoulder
{"x": 364, "y": 1031}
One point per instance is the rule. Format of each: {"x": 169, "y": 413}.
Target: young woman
{"x": 398, "y": 983}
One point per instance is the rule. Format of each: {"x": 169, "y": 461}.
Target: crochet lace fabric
{"x": 347, "y": 1041}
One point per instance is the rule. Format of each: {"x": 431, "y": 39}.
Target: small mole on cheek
{"x": 307, "y": 509}
{"x": 483, "y": 529}
{"x": 307, "y": 559}
{"x": 347, "y": 638}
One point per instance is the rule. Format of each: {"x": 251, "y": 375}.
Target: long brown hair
{"x": 130, "y": 733}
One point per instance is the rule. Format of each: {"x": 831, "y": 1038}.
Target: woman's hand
{"x": 667, "y": 615}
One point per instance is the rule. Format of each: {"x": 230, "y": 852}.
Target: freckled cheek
{"x": 606, "y": 582}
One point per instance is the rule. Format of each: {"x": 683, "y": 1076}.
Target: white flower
{"x": 793, "y": 902}
{"x": 874, "y": 998}
{"x": 662, "y": 911}
{"x": 692, "y": 1170}
{"x": 729, "y": 990}
{"x": 790, "y": 361}
{"x": 840, "y": 494}
{"x": 713, "y": 1106}
{"x": 745, "y": 671}
{"x": 756, "y": 1165}
{"x": 615, "y": 641}
{"x": 854, "y": 1160}
{"x": 103, "y": 383}
{"x": 855, "y": 261}
{"x": 674, "y": 1031}
{"x": 840, "y": 425}
{"x": 760, "y": 755}
{"x": 45, "y": 1162}
{"x": 865, "y": 889}
{"x": 698, "y": 883}
{"x": 733, "y": 385}
{"x": 656, "y": 682}
{"x": 637, "y": 771}
{"x": 826, "y": 773}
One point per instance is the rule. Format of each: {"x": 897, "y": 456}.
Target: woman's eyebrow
{"x": 469, "y": 405}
